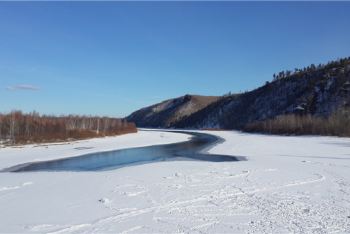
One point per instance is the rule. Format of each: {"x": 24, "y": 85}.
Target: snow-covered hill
{"x": 169, "y": 112}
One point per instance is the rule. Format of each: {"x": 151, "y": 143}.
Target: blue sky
{"x": 112, "y": 58}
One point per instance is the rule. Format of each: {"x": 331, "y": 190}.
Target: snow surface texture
{"x": 288, "y": 184}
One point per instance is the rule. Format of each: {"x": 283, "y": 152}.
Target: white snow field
{"x": 287, "y": 185}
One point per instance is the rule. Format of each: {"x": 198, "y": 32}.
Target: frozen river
{"x": 188, "y": 150}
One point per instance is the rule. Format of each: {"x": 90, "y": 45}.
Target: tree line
{"x": 340, "y": 63}
{"x": 337, "y": 124}
{"x": 17, "y": 127}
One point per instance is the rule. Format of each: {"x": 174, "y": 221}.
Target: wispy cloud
{"x": 23, "y": 87}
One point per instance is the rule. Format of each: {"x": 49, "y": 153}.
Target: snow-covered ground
{"x": 288, "y": 184}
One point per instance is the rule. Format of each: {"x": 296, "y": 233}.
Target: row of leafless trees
{"x": 338, "y": 124}
{"x": 17, "y": 127}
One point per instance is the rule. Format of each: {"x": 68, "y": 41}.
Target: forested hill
{"x": 317, "y": 91}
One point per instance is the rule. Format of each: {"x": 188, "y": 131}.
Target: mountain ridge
{"x": 314, "y": 90}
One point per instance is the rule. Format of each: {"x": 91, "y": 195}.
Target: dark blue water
{"x": 190, "y": 150}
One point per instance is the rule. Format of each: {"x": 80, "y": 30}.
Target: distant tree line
{"x": 340, "y": 63}
{"x": 17, "y": 127}
{"x": 337, "y": 124}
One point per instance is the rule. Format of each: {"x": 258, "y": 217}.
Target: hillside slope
{"x": 318, "y": 91}
{"x": 167, "y": 113}
{"x": 315, "y": 90}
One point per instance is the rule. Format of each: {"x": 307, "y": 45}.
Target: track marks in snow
{"x": 256, "y": 189}
{"x": 130, "y": 190}
{"x": 133, "y": 229}
{"x": 6, "y": 188}
{"x": 199, "y": 202}
{"x": 57, "y": 229}
{"x": 319, "y": 178}
{"x": 71, "y": 229}
{"x": 42, "y": 228}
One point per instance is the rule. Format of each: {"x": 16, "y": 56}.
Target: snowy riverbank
{"x": 288, "y": 184}
{"x": 30, "y": 153}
